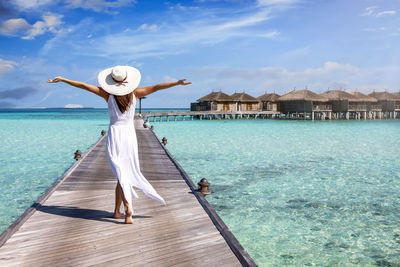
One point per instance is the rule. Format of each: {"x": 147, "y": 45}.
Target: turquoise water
{"x": 299, "y": 193}
{"x": 293, "y": 192}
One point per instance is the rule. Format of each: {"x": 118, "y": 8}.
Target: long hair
{"x": 123, "y": 101}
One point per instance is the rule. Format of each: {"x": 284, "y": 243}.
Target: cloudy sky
{"x": 229, "y": 45}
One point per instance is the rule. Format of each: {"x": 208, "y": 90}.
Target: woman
{"x": 118, "y": 86}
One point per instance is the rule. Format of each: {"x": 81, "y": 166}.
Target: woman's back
{"x": 116, "y": 116}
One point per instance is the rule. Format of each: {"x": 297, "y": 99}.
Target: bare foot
{"x": 128, "y": 217}
{"x": 117, "y": 214}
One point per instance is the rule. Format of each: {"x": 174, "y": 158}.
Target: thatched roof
{"x": 304, "y": 95}
{"x": 384, "y": 96}
{"x": 243, "y": 97}
{"x": 363, "y": 98}
{"x": 340, "y": 95}
{"x": 215, "y": 96}
{"x": 268, "y": 97}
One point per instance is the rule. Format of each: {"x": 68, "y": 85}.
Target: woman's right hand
{"x": 55, "y": 80}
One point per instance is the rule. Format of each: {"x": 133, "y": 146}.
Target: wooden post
{"x": 204, "y": 187}
{"x": 140, "y": 104}
{"x": 78, "y": 155}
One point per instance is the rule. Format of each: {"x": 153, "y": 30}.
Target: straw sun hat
{"x": 119, "y": 80}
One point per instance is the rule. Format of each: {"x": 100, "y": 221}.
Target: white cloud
{"x": 95, "y": 5}
{"x": 206, "y": 28}
{"x": 147, "y": 27}
{"x": 181, "y": 7}
{"x": 48, "y": 94}
{"x": 23, "y": 5}
{"x": 6, "y": 66}
{"x": 168, "y": 79}
{"x": 372, "y": 12}
{"x": 380, "y": 29}
{"x": 385, "y": 13}
{"x": 369, "y": 11}
{"x": 12, "y": 26}
{"x": 98, "y": 5}
{"x": 277, "y": 2}
{"x": 269, "y": 35}
{"x": 50, "y": 23}
{"x": 331, "y": 74}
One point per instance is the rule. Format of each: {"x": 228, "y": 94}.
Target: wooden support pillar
{"x": 330, "y": 115}
{"x": 312, "y": 115}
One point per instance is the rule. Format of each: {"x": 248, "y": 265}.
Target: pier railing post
{"x": 204, "y": 187}
{"x": 78, "y": 155}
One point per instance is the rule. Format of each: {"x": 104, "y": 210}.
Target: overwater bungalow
{"x": 390, "y": 103}
{"x": 303, "y": 103}
{"x": 245, "y": 102}
{"x": 268, "y": 102}
{"x": 217, "y": 101}
{"x": 346, "y": 105}
{"x": 374, "y": 110}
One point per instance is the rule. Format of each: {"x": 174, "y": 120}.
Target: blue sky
{"x": 229, "y": 45}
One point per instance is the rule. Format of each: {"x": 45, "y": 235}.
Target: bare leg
{"x": 118, "y": 200}
{"x": 128, "y": 211}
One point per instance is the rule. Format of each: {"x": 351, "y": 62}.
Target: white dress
{"x": 122, "y": 152}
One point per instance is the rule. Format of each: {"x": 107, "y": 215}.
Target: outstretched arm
{"x": 91, "y": 88}
{"x": 141, "y": 92}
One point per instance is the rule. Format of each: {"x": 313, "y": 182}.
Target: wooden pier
{"x": 208, "y": 115}
{"x": 72, "y": 224}
{"x": 317, "y": 114}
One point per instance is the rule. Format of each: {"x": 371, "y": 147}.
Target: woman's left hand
{"x": 55, "y": 80}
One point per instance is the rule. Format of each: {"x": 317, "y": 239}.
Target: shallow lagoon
{"x": 293, "y": 192}
{"x": 321, "y": 193}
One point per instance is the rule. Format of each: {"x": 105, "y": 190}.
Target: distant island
{"x": 73, "y": 106}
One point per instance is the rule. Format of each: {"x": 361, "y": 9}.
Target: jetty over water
{"x": 72, "y": 224}
{"x": 208, "y": 115}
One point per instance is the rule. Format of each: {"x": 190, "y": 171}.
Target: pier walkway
{"x": 208, "y": 115}
{"x": 72, "y": 224}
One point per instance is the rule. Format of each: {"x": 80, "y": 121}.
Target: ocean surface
{"x": 299, "y": 193}
{"x": 294, "y": 193}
